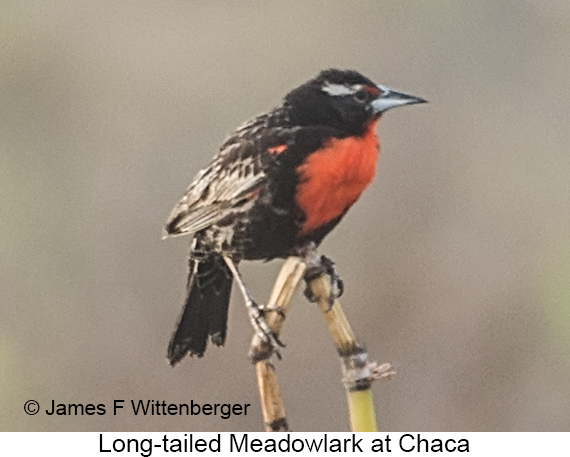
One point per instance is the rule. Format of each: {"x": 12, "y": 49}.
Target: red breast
{"x": 332, "y": 178}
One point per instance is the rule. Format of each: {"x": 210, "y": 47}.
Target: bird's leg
{"x": 256, "y": 313}
{"x": 319, "y": 265}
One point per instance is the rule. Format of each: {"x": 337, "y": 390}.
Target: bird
{"x": 277, "y": 186}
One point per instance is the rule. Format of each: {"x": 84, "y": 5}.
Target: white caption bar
{"x": 298, "y": 443}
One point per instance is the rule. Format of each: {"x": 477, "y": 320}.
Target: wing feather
{"x": 232, "y": 179}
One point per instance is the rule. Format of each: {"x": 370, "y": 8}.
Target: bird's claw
{"x": 274, "y": 309}
{"x": 325, "y": 267}
{"x": 261, "y": 328}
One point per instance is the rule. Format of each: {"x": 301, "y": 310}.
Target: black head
{"x": 343, "y": 99}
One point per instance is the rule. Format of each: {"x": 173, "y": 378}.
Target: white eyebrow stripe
{"x": 338, "y": 90}
{"x": 385, "y": 89}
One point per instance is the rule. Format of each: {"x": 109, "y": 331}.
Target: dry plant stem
{"x": 272, "y": 406}
{"x": 357, "y": 370}
{"x": 279, "y": 303}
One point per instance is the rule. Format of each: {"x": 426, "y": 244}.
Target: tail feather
{"x": 205, "y": 310}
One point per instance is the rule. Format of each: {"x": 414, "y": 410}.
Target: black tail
{"x": 205, "y": 311}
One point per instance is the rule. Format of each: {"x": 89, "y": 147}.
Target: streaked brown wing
{"x": 227, "y": 185}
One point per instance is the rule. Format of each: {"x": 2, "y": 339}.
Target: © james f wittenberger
{"x": 149, "y": 408}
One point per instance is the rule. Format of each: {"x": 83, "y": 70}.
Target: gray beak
{"x": 391, "y": 99}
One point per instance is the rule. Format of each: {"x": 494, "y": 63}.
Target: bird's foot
{"x": 272, "y": 309}
{"x": 318, "y": 266}
{"x": 261, "y": 328}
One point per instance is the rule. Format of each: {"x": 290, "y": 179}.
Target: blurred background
{"x": 456, "y": 260}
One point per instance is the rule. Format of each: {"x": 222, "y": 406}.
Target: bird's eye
{"x": 361, "y": 96}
